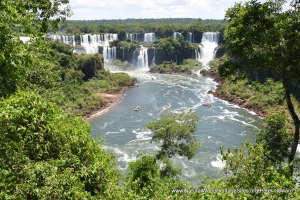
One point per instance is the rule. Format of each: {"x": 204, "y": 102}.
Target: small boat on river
{"x": 137, "y": 108}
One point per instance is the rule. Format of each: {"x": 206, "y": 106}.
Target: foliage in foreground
{"x": 144, "y": 181}
{"x": 174, "y": 131}
{"x": 248, "y": 176}
{"x": 261, "y": 36}
{"x": 275, "y": 139}
{"x": 46, "y": 155}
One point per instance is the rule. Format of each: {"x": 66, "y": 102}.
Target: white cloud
{"x": 123, "y": 9}
{"x": 79, "y": 4}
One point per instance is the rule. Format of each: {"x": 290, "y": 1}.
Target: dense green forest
{"x": 46, "y": 149}
{"x": 162, "y": 28}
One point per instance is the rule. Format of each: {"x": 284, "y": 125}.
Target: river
{"x": 222, "y": 124}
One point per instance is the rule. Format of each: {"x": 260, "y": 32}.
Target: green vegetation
{"x": 171, "y": 67}
{"x": 161, "y": 27}
{"x": 262, "y": 37}
{"x": 175, "y": 132}
{"x": 47, "y": 153}
{"x": 83, "y": 78}
{"x": 256, "y": 90}
{"x": 274, "y": 139}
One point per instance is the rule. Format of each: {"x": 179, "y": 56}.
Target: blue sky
{"x": 124, "y": 9}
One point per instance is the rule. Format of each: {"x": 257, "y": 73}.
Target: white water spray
{"x": 206, "y": 53}
{"x": 176, "y": 35}
{"x": 133, "y": 36}
{"x": 149, "y": 37}
{"x": 153, "y": 59}
{"x": 189, "y": 37}
{"x": 91, "y": 43}
{"x": 143, "y": 58}
{"x": 70, "y": 40}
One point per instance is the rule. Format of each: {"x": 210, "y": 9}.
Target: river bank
{"x": 110, "y": 100}
{"x": 236, "y": 100}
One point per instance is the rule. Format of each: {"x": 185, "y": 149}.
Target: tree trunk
{"x": 296, "y": 123}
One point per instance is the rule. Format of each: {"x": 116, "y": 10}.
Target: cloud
{"x": 123, "y": 9}
{"x": 92, "y": 4}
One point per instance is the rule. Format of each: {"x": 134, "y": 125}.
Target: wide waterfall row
{"x": 207, "y": 50}
{"x": 142, "y": 37}
{"x": 176, "y": 35}
{"x": 133, "y": 36}
{"x": 70, "y": 40}
{"x": 190, "y": 37}
{"x": 149, "y": 37}
{"x": 91, "y": 43}
{"x": 99, "y": 43}
{"x": 98, "y": 38}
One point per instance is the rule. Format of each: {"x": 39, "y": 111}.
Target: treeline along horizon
{"x": 148, "y": 20}
{"x": 163, "y": 26}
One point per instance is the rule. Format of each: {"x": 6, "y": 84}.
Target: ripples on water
{"x": 222, "y": 124}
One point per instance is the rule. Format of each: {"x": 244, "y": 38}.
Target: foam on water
{"x": 110, "y": 133}
{"x": 218, "y": 163}
{"x": 219, "y": 124}
{"x": 143, "y": 134}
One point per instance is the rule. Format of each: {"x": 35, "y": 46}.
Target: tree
{"x": 274, "y": 139}
{"x": 143, "y": 172}
{"x": 262, "y": 37}
{"x": 90, "y": 64}
{"x": 144, "y": 181}
{"x": 247, "y": 170}
{"x": 175, "y": 130}
{"x": 23, "y": 65}
{"x": 46, "y": 155}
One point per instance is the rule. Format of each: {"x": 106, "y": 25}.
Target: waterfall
{"x": 133, "y": 61}
{"x": 70, "y": 40}
{"x": 176, "y": 35}
{"x": 109, "y": 53}
{"x": 153, "y": 59}
{"x": 133, "y": 36}
{"x": 73, "y": 42}
{"x": 189, "y": 37}
{"x": 91, "y": 44}
{"x": 143, "y": 58}
{"x": 149, "y": 37}
{"x": 206, "y": 53}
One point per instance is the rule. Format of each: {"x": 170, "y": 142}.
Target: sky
{"x": 124, "y": 9}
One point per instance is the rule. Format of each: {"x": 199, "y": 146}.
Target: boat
{"x": 137, "y": 108}
{"x": 206, "y": 104}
